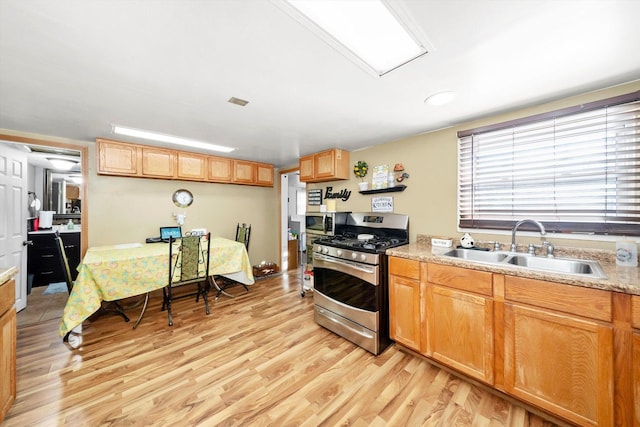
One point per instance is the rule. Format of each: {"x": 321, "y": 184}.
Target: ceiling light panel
{"x": 371, "y": 33}
{"x": 170, "y": 139}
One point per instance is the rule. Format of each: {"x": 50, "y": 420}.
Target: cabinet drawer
{"x": 480, "y": 282}
{"x": 593, "y": 303}
{"x": 635, "y": 311}
{"x": 404, "y": 267}
{"x": 7, "y": 295}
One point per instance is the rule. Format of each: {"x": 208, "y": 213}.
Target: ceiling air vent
{"x": 238, "y": 101}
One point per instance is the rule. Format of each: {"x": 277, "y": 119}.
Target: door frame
{"x": 84, "y": 161}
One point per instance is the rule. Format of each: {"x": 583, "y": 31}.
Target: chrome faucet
{"x": 518, "y": 224}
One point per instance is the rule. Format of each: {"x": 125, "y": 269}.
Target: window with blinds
{"x": 577, "y": 170}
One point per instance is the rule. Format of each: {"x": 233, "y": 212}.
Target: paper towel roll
{"x": 46, "y": 219}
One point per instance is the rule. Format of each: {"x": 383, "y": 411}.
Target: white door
{"x": 13, "y": 218}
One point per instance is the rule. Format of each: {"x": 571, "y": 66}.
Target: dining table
{"x": 110, "y": 273}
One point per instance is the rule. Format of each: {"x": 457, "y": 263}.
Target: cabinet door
{"x": 561, "y": 363}
{"x": 8, "y": 333}
{"x": 324, "y": 164}
{"x": 404, "y": 311}
{"x": 117, "y": 158}
{"x": 158, "y": 162}
{"x": 219, "y": 169}
{"x": 244, "y": 172}
{"x": 460, "y": 331}
{"x": 264, "y": 174}
{"x": 306, "y": 168}
{"x": 191, "y": 166}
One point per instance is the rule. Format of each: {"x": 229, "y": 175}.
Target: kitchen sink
{"x": 479, "y": 256}
{"x": 571, "y": 266}
{"x": 559, "y": 265}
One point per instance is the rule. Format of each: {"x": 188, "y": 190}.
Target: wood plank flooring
{"x": 258, "y": 360}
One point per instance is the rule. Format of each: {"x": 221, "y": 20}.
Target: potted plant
{"x": 360, "y": 170}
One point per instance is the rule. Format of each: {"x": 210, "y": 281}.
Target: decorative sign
{"x": 382, "y": 204}
{"x": 343, "y": 195}
{"x": 314, "y": 197}
{"x": 380, "y": 177}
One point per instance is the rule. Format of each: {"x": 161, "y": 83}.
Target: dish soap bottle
{"x": 70, "y": 225}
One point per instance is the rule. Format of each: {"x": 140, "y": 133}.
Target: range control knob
{"x": 363, "y": 257}
{"x": 354, "y": 255}
{"x": 325, "y": 250}
{"x": 339, "y": 252}
{"x": 318, "y": 248}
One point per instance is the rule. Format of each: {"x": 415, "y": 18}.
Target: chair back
{"x": 188, "y": 259}
{"x": 243, "y": 232}
{"x": 64, "y": 261}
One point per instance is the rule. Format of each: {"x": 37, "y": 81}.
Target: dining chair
{"x": 188, "y": 263}
{"x": 243, "y": 233}
{"x": 105, "y": 306}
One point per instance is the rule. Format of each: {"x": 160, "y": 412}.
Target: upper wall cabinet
{"x": 327, "y": 165}
{"x": 120, "y": 158}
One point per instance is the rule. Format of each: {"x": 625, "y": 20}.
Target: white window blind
{"x": 576, "y": 170}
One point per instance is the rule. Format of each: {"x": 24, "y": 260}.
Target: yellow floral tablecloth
{"x": 109, "y": 273}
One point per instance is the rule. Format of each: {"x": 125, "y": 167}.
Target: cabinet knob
{"x": 27, "y": 243}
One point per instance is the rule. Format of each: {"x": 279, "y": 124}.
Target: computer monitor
{"x": 166, "y": 232}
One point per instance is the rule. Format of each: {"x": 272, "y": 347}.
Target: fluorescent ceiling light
{"x": 61, "y": 164}
{"x": 440, "y": 98}
{"x": 371, "y": 31}
{"x": 154, "y": 136}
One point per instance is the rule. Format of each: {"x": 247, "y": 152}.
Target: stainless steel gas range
{"x": 350, "y": 271}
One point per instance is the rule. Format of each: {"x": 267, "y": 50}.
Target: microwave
{"x": 324, "y": 223}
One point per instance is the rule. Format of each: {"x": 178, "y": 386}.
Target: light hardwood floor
{"x": 257, "y": 360}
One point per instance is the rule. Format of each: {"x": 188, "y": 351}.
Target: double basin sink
{"x": 579, "y": 267}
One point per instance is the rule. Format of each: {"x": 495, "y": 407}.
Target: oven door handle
{"x": 344, "y": 325}
{"x": 351, "y": 265}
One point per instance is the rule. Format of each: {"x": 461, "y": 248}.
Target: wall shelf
{"x": 394, "y": 189}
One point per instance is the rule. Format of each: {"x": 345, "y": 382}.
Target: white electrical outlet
{"x": 198, "y": 231}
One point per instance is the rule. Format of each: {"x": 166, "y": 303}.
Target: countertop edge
{"x": 7, "y": 273}
{"x": 619, "y": 279}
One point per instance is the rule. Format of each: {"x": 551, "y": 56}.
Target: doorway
{"x": 293, "y": 203}
{"x": 25, "y": 144}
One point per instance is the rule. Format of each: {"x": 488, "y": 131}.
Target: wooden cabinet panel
{"x": 592, "y": 303}
{"x": 480, "y": 282}
{"x": 560, "y": 363}
{"x": 264, "y": 174}
{"x": 191, "y": 166}
{"x": 158, "y": 162}
{"x": 244, "y": 172}
{"x": 404, "y": 311}
{"x": 116, "y": 158}
{"x": 404, "y": 267}
{"x": 219, "y": 169}
{"x": 306, "y": 168}
{"x": 636, "y": 375}
{"x": 8, "y": 334}
{"x": 635, "y": 312}
{"x": 460, "y": 331}
{"x": 325, "y": 166}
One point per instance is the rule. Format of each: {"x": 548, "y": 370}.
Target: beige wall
{"x": 431, "y": 160}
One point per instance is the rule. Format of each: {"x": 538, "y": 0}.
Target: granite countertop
{"x": 619, "y": 279}
{"x": 7, "y": 273}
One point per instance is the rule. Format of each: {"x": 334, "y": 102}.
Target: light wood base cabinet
{"x": 571, "y": 351}
{"x": 459, "y": 323}
{"x": 8, "y": 332}
{"x": 404, "y": 303}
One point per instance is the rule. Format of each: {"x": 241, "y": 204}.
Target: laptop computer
{"x": 166, "y": 232}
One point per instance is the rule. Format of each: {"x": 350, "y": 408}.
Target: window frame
{"x": 468, "y": 219}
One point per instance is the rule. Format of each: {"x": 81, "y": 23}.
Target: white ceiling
{"x": 72, "y": 68}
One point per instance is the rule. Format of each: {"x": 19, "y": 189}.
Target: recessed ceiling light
{"x": 440, "y": 98}
{"x": 154, "y": 136}
{"x": 61, "y": 164}
{"x": 238, "y": 101}
{"x": 370, "y": 33}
